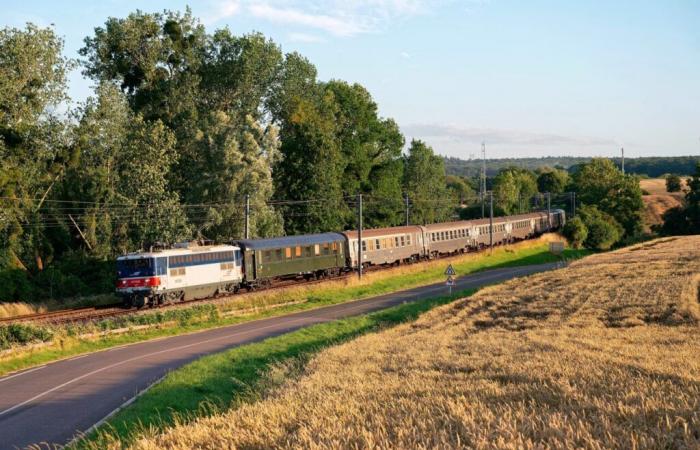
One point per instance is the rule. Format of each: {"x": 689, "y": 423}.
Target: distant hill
{"x": 649, "y": 166}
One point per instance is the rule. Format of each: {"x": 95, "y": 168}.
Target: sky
{"x": 527, "y": 78}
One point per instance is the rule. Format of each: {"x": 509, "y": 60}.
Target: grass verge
{"x": 227, "y": 379}
{"x": 67, "y": 341}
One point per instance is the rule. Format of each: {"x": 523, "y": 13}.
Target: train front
{"x": 139, "y": 278}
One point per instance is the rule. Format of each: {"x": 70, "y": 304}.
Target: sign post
{"x": 450, "y": 272}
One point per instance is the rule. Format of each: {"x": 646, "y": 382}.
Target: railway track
{"x": 94, "y": 313}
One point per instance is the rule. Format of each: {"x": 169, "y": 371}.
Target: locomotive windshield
{"x": 140, "y": 267}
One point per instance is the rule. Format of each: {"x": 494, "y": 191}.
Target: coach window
{"x": 403, "y": 241}
{"x": 408, "y": 239}
{"x": 297, "y": 252}
{"x": 288, "y": 252}
{"x": 364, "y": 245}
{"x": 377, "y": 245}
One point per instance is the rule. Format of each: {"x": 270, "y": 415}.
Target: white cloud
{"x": 475, "y": 135}
{"x": 223, "y": 9}
{"x": 333, "y": 25}
{"x": 305, "y": 38}
{"x": 405, "y": 55}
{"x": 340, "y": 18}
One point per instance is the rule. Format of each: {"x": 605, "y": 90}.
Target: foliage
{"x": 461, "y": 189}
{"x": 512, "y": 189}
{"x": 652, "y": 167}
{"x": 554, "y": 181}
{"x": 575, "y": 232}
{"x": 599, "y": 183}
{"x": 22, "y": 334}
{"x": 424, "y": 182}
{"x": 32, "y": 139}
{"x": 673, "y": 183}
{"x": 602, "y": 230}
{"x": 685, "y": 219}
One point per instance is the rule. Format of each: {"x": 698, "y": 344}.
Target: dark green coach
{"x": 308, "y": 256}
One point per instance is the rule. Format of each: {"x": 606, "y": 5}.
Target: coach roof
{"x": 289, "y": 241}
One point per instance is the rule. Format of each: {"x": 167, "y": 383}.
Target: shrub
{"x": 673, "y": 183}
{"x": 18, "y": 333}
{"x": 575, "y": 232}
{"x": 603, "y": 230}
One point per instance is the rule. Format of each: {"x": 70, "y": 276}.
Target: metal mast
{"x": 482, "y": 183}
{"x": 623, "y": 160}
{"x": 359, "y": 236}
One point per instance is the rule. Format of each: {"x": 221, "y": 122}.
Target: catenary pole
{"x": 359, "y": 235}
{"x": 491, "y": 220}
{"x": 247, "y": 216}
{"x": 406, "y": 198}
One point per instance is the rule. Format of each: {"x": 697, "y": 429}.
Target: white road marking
{"x": 22, "y": 373}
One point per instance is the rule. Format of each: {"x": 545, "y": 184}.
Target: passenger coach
{"x": 308, "y": 256}
{"x": 386, "y": 245}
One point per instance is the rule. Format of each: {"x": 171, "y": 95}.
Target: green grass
{"x": 67, "y": 342}
{"x": 217, "y": 382}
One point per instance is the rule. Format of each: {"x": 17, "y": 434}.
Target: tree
{"x": 32, "y": 140}
{"x": 155, "y": 58}
{"x": 371, "y": 151}
{"x": 424, "y": 182}
{"x": 460, "y": 189}
{"x": 92, "y": 176}
{"x": 575, "y": 232}
{"x": 673, "y": 183}
{"x": 600, "y": 183}
{"x": 685, "y": 219}
{"x": 310, "y": 172}
{"x": 603, "y": 231}
{"x": 514, "y": 187}
{"x": 554, "y": 181}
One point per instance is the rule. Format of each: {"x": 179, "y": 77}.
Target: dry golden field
{"x": 602, "y": 354}
{"x": 658, "y": 201}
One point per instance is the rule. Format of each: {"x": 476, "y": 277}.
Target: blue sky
{"x": 530, "y": 78}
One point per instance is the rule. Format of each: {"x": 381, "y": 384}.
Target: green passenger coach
{"x": 309, "y": 256}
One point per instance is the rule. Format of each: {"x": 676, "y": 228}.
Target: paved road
{"x": 51, "y": 403}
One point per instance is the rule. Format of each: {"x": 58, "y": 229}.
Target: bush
{"x": 603, "y": 230}
{"x": 673, "y": 183}
{"x": 575, "y": 232}
{"x": 18, "y": 333}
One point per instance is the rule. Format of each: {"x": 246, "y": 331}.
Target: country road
{"x": 54, "y": 402}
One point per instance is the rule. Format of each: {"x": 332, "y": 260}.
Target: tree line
{"x": 653, "y": 167}
{"x": 183, "y": 125}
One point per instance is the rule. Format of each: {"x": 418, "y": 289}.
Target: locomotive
{"x": 190, "y": 271}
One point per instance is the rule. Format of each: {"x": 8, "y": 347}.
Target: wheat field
{"x": 601, "y": 354}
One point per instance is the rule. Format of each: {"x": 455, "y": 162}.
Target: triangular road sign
{"x": 450, "y": 272}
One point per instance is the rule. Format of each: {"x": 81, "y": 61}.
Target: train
{"x": 191, "y": 271}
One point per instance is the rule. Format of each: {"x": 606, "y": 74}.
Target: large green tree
{"x": 600, "y": 183}
{"x": 33, "y": 146}
{"x": 513, "y": 188}
{"x": 554, "y": 181}
{"x": 424, "y": 182}
{"x": 212, "y": 92}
